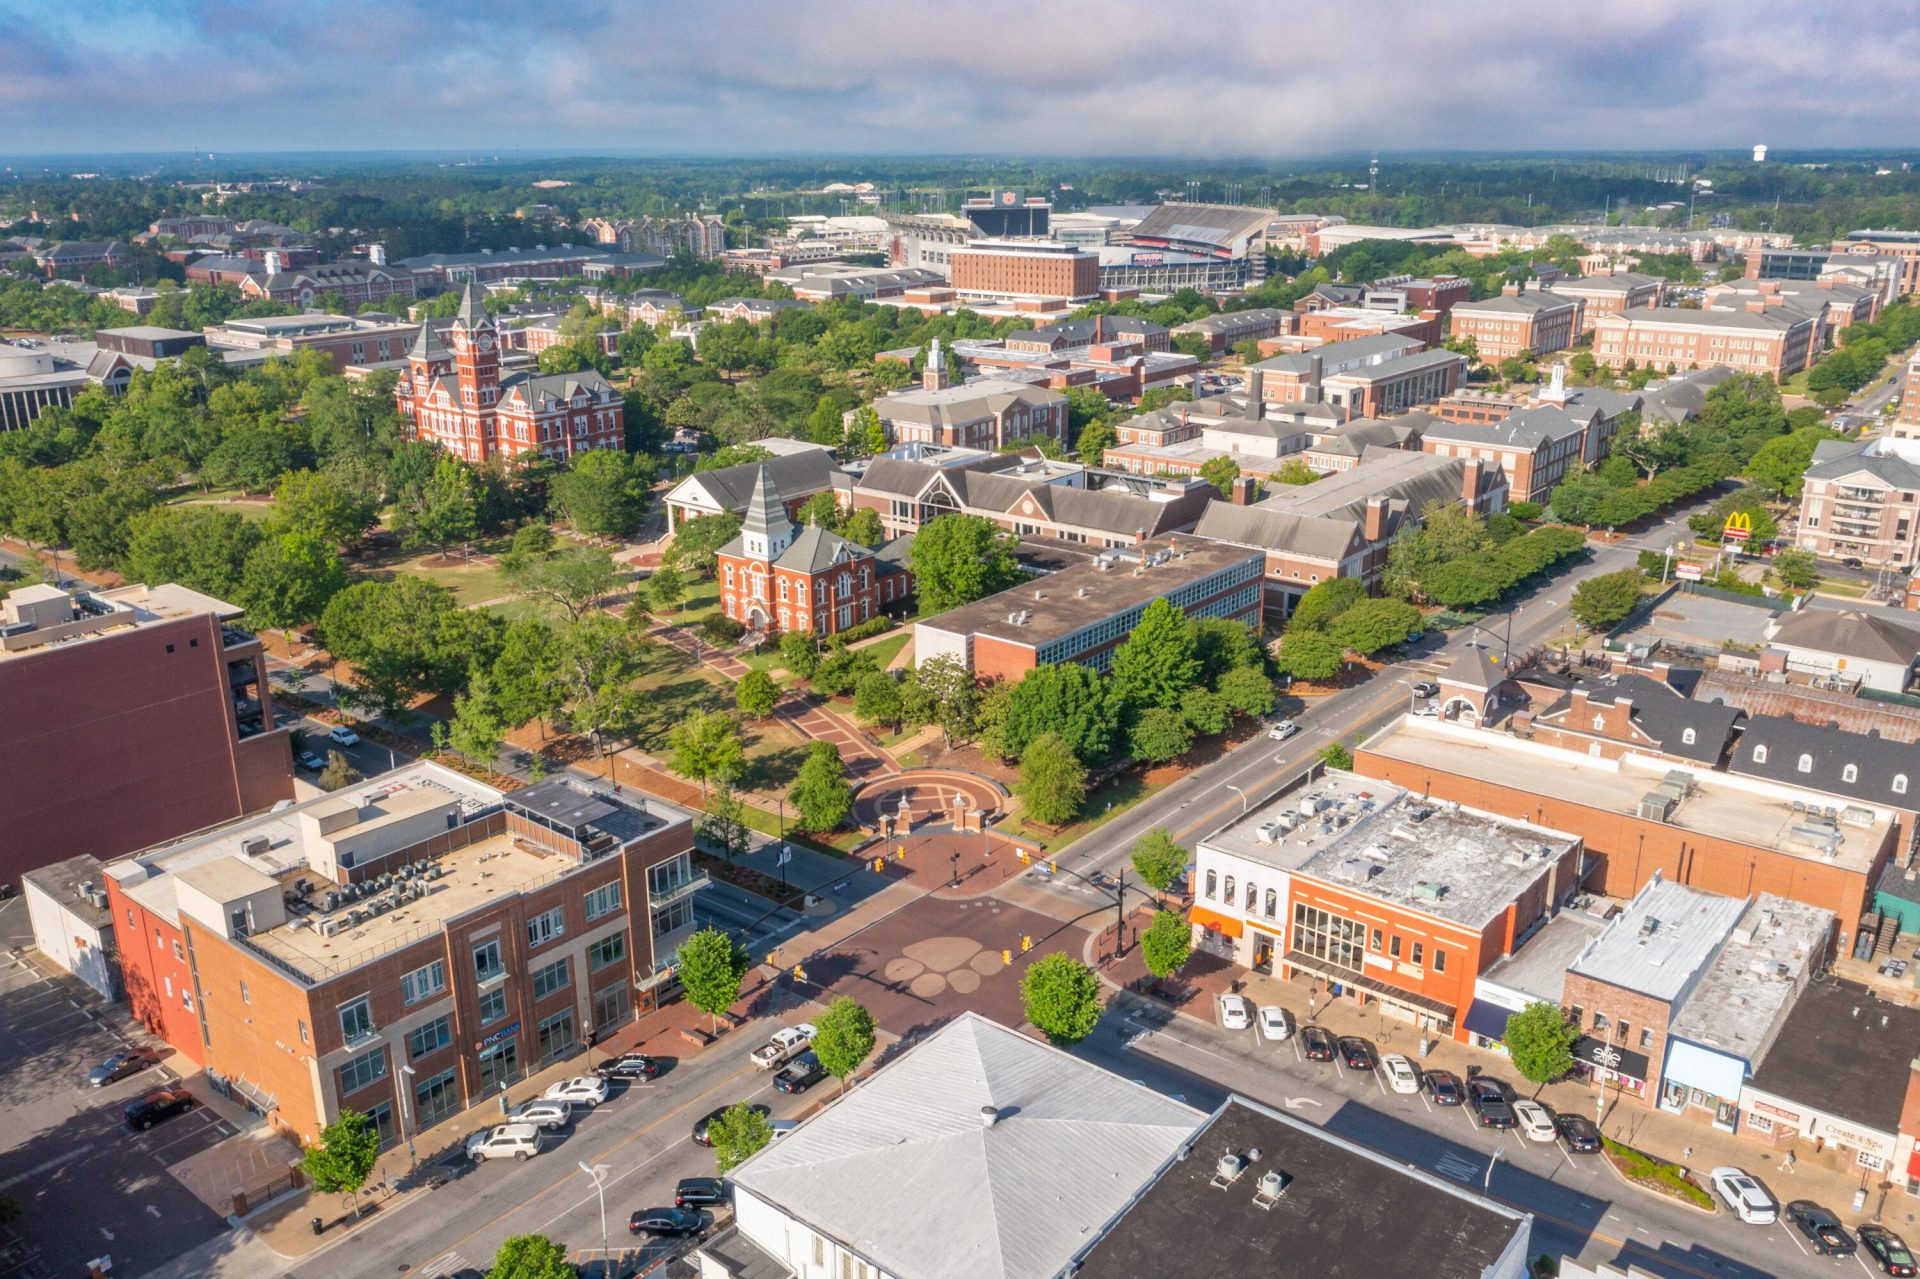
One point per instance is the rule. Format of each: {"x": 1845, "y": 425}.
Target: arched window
{"x": 1253, "y": 898}
{"x": 1806, "y": 763}
{"x": 1759, "y": 754}
{"x": 1273, "y": 904}
{"x": 1212, "y": 886}
{"x": 1229, "y": 897}
{"x": 1899, "y": 783}
{"x": 1850, "y": 774}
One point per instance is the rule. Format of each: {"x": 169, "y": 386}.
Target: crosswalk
{"x": 1452, "y": 1165}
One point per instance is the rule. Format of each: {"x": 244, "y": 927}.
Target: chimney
{"x": 1310, "y": 394}
{"x": 1242, "y": 490}
{"x": 1256, "y": 391}
{"x": 1470, "y": 481}
{"x": 1577, "y": 708}
{"x": 1513, "y": 289}
{"x": 1376, "y": 520}
{"x": 1757, "y": 305}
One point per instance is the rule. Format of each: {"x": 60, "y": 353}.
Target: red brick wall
{"x": 153, "y": 977}
{"x": 1636, "y": 1010}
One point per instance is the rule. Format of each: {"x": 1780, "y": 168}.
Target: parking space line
{"x": 1796, "y": 1243}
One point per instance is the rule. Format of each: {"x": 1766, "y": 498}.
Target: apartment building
{"x": 131, "y": 716}
{"x": 1906, "y": 421}
{"x": 1024, "y": 271}
{"x": 1761, "y": 339}
{"x": 1834, "y": 303}
{"x": 406, "y": 947}
{"x": 1861, "y": 500}
{"x": 1520, "y": 323}
{"x": 354, "y": 282}
{"x": 1229, "y": 329}
{"x": 1610, "y": 294}
{"x": 1904, "y": 246}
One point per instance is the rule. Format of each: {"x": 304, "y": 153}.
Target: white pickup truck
{"x": 787, "y": 1042}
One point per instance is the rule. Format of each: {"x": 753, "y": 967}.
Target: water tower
{"x": 1760, "y": 154}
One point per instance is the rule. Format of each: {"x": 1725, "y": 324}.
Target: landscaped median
{"x": 1660, "y": 1177}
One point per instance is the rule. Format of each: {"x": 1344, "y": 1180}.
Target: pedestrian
{"x": 1792, "y": 1159}
{"x": 1686, "y": 1156}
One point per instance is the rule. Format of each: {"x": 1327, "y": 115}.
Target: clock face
{"x": 484, "y": 341}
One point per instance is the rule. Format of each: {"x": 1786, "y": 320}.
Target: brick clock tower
{"x": 476, "y": 352}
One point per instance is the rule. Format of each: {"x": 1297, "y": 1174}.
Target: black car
{"x": 161, "y": 1103}
{"x": 1820, "y": 1228}
{"x": 1578, "y": 1132}
{"x": 800, "y": 1074}
{"x": 1317, "y": 1043}
{"x": 1851, "y": 562}
{"x": 700, "y": 1137}
{"x": 1890, "y": 1250}
{"x": 668, "y": 1223}
{"x": 1444, "y": 1087}
{"x": 631, "y": 1066}
{"x": 700, "y": 1192}
{"x": 128, "y": 1061}
{"x": 1489, "y": 1101}
{"x": 1357, "y": 1054}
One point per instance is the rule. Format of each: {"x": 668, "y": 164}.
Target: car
{"x": 1489, "y": 1102}
{"x": 701, "y": 1192}
{"x": 1425, "y": 688}
{"x": 1444, "y": 1087}
{"x": 667, "y": 1223}
{"x": 1235, "y": 1012}
{"x": 516, "y": 1141}
{"x": 1821, "y": 1229}
{"x": 1426, "y": 710}
{"x": 800, "y": 1074}
{"x": 1401, "y": 1076}
{"x": 1578, "y": 1134}
{"x": 162, "y": 1103}
{"x": 1851, "y": 562}
{"x": 542, "y": 1113}
{"x": 341, "y": 735}
{"x": 1889, "y": 1250}
{"x": 1744, "y": 1195}
{"x": 1273, "y": 1022}
{"x": 700, "y": 1134}
{"x": 128, "y": 1061}
{"x": 309, "y": 761}
{"x": 1283, "y": 730}
{"x": 581, "y": 1090}
{"x": 1536, "y": 1121}
{"x": 1317, "y": 1043}
{"x": 788, "y": 1041}
{"x": 1357, "y": 1054}
{"x": 630, "y": 1066}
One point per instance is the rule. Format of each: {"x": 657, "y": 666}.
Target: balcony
{"x": 661, "y": 894}
{"x": 1873, "y": 497}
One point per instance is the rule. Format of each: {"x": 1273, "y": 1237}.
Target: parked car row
{"x": 524, "y": 1134}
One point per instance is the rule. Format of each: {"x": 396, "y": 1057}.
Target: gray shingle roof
{"x": 1772, "y": 746}
{"x": 1524, "y": 429}
{"x": 1329, "y": 538}
{"x": 1528, "y": 303}
{"x": 1662, "y": 713}
{"x": 794, "y": 474}
{"x": 1850, "y": 634}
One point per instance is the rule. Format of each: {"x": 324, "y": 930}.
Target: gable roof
{"x": 1528, "y": 429}
{"x": 1850, "y": 633}
{"x": 794, "y": 474}
{"x": 1331, "y": 538}
{"x": 1660, "y": 711}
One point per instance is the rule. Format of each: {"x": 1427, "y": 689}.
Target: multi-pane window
{"x": 555, "y": 1035}
{"x": 546, "y": 926}
{"x": 365, "y": 1069}
{"x": 608, "y": 950}
{"x": 424, "y": 983}
{"x": 549, "y": 979}
{"x": 356, "y": 1019}
{"x": 433, "y": 1036}
{"x": 603, "y": 900}
{"x": 673, "y": 917}
{"x": 435, "y": 1097}
{"x": 1327, "y": 937}
{"x": 493, "y": 1005}
{"x": 487, "y": 964}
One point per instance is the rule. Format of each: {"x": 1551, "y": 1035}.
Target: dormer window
{"x": 1850, "y": 774}
{"x": 1899, "y": 783}
{"x": 1688, "y": 737}
{"x": 1806, "y": 763}
{"x": 1759, "y": 754}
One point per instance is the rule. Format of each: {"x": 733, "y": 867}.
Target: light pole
{"x": 600, "y": 1189}
{"x": 1666, "y": 564}
{"x": 1488, "y": 1187}
{"x": 1413, "y": 696}
{"x": 406, "y": 1120}
{"x": 1242, "y": 794}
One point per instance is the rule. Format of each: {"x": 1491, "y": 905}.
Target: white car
{"x": 341, "y": 735}
{"x": 1283, "y": 730}
{"x": 519, "y": 1141}
{"x": 581, "y": 1090}
{"x": 1273, "y": 1022}
{"x": 1401, "y": 1076}
{"x": 1743, "y": 1194}
{"x": 1536, "y": 1121}
{"x": 788, "y": 1041}
{"x": 1235, "y": 1012}
{"x": 547, "y": 1114}
{"x": 1430, "y": 708}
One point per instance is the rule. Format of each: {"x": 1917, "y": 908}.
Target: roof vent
{"x": 989, "y": 1116}
{"x": 1228, "y": 1168}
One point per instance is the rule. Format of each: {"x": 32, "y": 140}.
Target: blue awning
{"x": 1715, "y": 1073}
{"x": 1489, "y": 1020}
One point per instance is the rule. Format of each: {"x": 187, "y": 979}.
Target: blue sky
{"x": 1062, "y": 77}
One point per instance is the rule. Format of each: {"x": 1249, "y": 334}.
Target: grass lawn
{"x": 889, "y": 648}
{"x": 248, "y": 510}
{"x": 1107, "y": 802}
{"x": 674, "y": 689}
{"x": 837, "y": 844}
{"x": 470, "y": 584}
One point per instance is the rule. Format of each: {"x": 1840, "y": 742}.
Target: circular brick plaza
{"x": 932, "y": 797}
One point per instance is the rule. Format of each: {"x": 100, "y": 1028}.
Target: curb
{"x": 1625, "y": 1180}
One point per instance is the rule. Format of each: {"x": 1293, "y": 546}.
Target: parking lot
{"x": 89, "y": 1185}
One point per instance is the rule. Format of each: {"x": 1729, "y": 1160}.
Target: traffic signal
{"x": 1050, "y": 866}
{"x": 1025, "y": 860}
{"x": 799, "y": 972}
{"x": 1006, "y": 956}
{"x": 879, "y": 864}
{"x": 1026, "y": 943}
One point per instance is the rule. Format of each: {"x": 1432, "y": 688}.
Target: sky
{"x": 1271, "y": 79}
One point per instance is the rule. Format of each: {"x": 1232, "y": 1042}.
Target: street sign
{"x": 1739, "y": 527}
{"x": 1688, "y": 572}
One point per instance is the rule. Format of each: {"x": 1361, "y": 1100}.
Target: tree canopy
{"x": 1061, "y": 996}
{"x": 957, "y": 559}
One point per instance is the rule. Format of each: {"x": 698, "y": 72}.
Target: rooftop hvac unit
{"x": 1657, "y": 806}
{"x": 1229, "y": 1167}
{"x": 254, "y": 845}
{"x": 1273, "y": 1183}
{"x": 1269, "y": 832}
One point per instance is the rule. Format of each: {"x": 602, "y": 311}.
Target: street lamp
{"x": 1413, "y": 696}
{"x": 1497, "y": 1152}
{"x": 1242, "y": 794}
{"x": 600, "y": 1189}
{"x": 406, "y": 1120}
{"x": 1666, "y": 563}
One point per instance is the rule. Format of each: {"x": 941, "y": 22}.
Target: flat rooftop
{"x": 1755, "y": 976}
{"x": 1538, "y": 969}
{"x": 1750, "y": 811}
{"x": 35, "y": 618}
{"x": 1667, "y": 933}
{"x": 1343, "y": 1208}
{"x": 1845, "y": 1051}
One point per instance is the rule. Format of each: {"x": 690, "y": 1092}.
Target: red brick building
{"x": 1025, "y": 271}
{"x": 356, "y": 283}
{"x": 774, "y": 576}
{"x": 457, "y": 398}
{"x": 1519, "y": 323}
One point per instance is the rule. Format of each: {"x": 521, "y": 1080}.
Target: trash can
{"x": 1860, "y": 1199}
{"x": 317, "y": 1227}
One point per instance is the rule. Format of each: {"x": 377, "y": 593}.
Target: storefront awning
{"x": 1487, "y": 1019}
{"x": 1713, "y": 1073}
{"x": 1300, "y": 961}
{"x": 1217, "y": 922}
{"x": 1598, "y": 1052}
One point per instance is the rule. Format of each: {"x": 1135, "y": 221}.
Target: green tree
{"x": 876, "y": 699}
{"x": 574, "y": 580}
{"x": 821, "y": 794}
{"x": 1061, "y": 996}
{"x": 532, "y": 1257}
{"x": 706, "y": 745}
{"x": 1247, "y": 690}
{"x": 665, "y": 588}
{"x": 863, "y": 525}
{"x": 1205, "y": 710}
{"x": 1540, "y": 1039}
{"x": 477, "y": 730}
{"x": 724, "y": 824}
{"x": 1374, "y": 624}
{"x": 841, "y": 670}
{"x": 342, "y": 1160}
{"x": 822, "y": 510}
{"x": 756, "y": 695}
{"x": 1220, "y": 472}
{"x": 1095, "y": 438}
{"x": 605, "y": 493}
{"x": 945, "y": 690}
{"x": 1309, "y": 655}
{"x": 957, "y": 559}
{"x": 338, "y": 773}
{"x": 1166, "y": 944}
{"x": 1159, "y": 733}
{"x": 1294, "y": 471}
{"x": 696, "y": 540}
{"x": 1195, "y": 344}
{"x": 865, "y": 435}
{"x": 447, "y": 507}
{"x": 1157, "y": 662}
{"x": 1797, "y": 569}
{"x": 1599, "y": 602}
{"x": 800, "y": 653}
{"x": 523, "y": 675}
{"x": 1066, "y": 698}
{"x": 1158, "y": 859}
{"x": 1325, "y": 601}
{"x": 1334, "y": 755}
{"x": 1222, "y": 644}
{"x": 1053, "y": 782}
{"x": 843, "y": 1038}
{"x": 712, "y": 965}
{"x": 1779, "y": 466}
{"x": 530, "y": 543}
{"x": 596, "y": 658}
{"x": 321, "y": 503}
{"x": 404, "y": 638}
{"x": 197, "y": 546}
{"x": 738, "y": 1133}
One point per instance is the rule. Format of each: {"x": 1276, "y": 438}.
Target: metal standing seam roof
{"x": 905, "y": 1172}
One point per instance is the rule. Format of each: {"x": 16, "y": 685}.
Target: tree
{"x": 1797, "y": 569}
{"x": 1061, "y": 996}
{"x": 1325, "y": 601}
{"x": 321, "y": 503}
{"x": 1066, "y": 698}
{"x": 573, "y": 580}
{"x": 530, "y": 542}
{"x": 1779, "y": 466}
{"x": 1195, "y": 344}
{"x": 1053, "y": 782}
{"x": 1247, "y": 690}
{"x": 1166, "y": 944}
{"x": 957, "y": 559}
{"x": 738, "y": 1133}
{"x": 1599, "y": 602}
{"x": 706, "y": 745}
{"x": 477, "y": 729}
{"x": 863, "y": 526}
{"x": 1095, "y": 438}
{"x": 1220, "y": 472}
{"x": 947, "y": 692}
{"x": 199, "y": 547}
{"x": 756, "y": 695}
{"x": 1309, "y": 655}
{"x": 524, "y": 678}
{"x": 865, "y": 435}
{"x": 842, "y": 669}
{"x": 665, "y": 588}
{"x": 342, "y": 1160}
{"x": 532, "y": 1257}
{"x": 605, "y": 492}
{"x": 724, "y": 824}
{"x": 821, "y": 794}
{"x": 447, "y": 507}
{"x": 1294, "y": 471}
{"x": 1374, "y": 624}
{"x": 800, "y": 653}
{"x": 822, "y": 510}
{"x": 1157, "y": 662}
{"x": 1159, "y": 734}
{"x": 287, "y": 580}
{"x": 696, "y": 540}
{"x": 1205, "y": 710}
{"x": 1334, "y": 755}
{"x": 403, "y": 638}
{"x": 843, "y": 1037}
{"x": 1158, "y": 859}
{"x": 876, "y": 699}
{"x": 1540, "y": 1039}
{"x": 596, "y": 658}
{"x": 1222, "y": 644}
{"x": 712, "y": 965}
